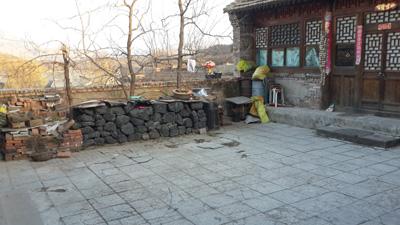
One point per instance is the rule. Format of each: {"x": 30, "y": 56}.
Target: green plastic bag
{"x": 261, "y": 73}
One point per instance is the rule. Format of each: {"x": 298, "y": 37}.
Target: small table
{"x": 239, "y": 107}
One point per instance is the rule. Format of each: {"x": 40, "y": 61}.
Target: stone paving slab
{"x": 242, "y": 174}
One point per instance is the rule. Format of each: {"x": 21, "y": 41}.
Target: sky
{"x": 40, "y": 21}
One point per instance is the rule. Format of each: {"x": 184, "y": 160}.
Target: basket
{"x": 183, "y": 95}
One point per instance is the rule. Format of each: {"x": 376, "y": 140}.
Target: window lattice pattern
{"x": 314, "y": 31}
{"x": 288, "y": 34}
{"x": 393, "y": 52}
{"x": 262, "y": 37}
{"x": 373, "y": 51}
{"x": 383, "y": 17}
{"x": 346, "y": 30}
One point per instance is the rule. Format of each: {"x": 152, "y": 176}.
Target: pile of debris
{"x": 110, "y": 123}
{"x": 23, "y": 120}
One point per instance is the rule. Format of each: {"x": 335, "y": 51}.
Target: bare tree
{"x": 189, "y": 14}
{"x": 118, "y": 54}
{"x": 66, "y": 66}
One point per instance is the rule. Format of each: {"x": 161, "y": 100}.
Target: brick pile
{"x": 72, "y": 141}
{"x": 28, "y": 118}
{"x": 38, "y": 110}
{"x": 14, "y": 146}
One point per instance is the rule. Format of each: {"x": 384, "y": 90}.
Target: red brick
{"x": 64, "y": 154}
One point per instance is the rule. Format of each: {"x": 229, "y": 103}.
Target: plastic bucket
{"x": 258, "y": 88}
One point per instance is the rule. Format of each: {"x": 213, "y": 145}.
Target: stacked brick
{"x": 14, "y": 146}
{"x": 27, "y": 118}
{"x": 72, "y": 141}
{"x": 32, "y": 112}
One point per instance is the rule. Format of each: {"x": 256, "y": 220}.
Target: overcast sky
{"x": 36, "y": 20}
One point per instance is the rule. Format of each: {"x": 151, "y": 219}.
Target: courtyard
{"x": 247, "y": 174}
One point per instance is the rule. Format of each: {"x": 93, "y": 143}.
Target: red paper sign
{"x": 385, "y": 26}
{"x": 359, "y": 44}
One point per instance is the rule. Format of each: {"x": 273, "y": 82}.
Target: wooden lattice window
{"x": 286, "y": 34}
{"x": 314, "y": 31}
{"x": 345, "y": 40}
{"x": 285, "y": 41}
{"x": 313, "y": 40}
{"x": 383, "y": 17}
{"x": 346, "y": 29}
{"x": 262, "y": 37}
{"x": 373, "y": 51}
{"x": 393, "y": 52}
{"x": 262, "y": 45}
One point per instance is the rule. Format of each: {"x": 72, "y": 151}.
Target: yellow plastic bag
{"x": 3, "y": 109}
{"x": 261, "y": 73}
{"x": 258, "y": 109}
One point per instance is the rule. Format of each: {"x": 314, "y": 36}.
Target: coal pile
{"x": 109, "y": 124}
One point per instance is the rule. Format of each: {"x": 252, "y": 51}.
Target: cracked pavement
{"x": 241, "y": 174}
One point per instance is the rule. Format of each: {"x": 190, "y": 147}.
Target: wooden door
{"x": 380, "y": 80}
{"x": 372, "y": 79}
{"x": 391, "y": 73}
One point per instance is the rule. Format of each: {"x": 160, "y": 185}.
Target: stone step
{"x": 313, "y": 119}
{"x": 358, "y": 136}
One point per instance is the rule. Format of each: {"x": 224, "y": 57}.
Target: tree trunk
{"x": 66, "y": 59}
{"x": 181, "y": 42}
{"x": 129, "y": 53}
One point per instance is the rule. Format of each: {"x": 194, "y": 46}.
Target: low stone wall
{"x": 123, "y": 123}
{"x": 222, "y": 88}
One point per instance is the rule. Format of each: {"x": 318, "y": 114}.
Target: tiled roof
{"x": 242, "y": 5}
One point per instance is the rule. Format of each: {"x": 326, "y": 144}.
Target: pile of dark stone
{"x": 119, "y": 124}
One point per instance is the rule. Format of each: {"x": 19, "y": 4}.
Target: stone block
{"x": 100, "y": 141}
{"x": 141, "y": 129}
{"x": 122, "y": 138}
{"x": 127, "y": 129}
{"x": 87, "y": 130}
{"x": 145, "y": 136}
{"x": 109, "y": 117}
{"x": 110, "y": 126}
{"x": 164, "y": 130}
{"x": 137, "y": 121}
{"x": 187, "y": 122}
{"x": 178, "y": 119}
{"x": 117, "y": 110}
{"x": 100, "y": 123}
{"x": 122, "y": 120}
{"x": 181, "y": 130}
{"x": 134, "y": 137}
{"x": 157, "y": 117}
{"x": 175, "y": 106}
{"x": 168, "y": 117}
{"x": 85, "y": 118}
{"x": 160, "y": 107}
{"x": 154, "y": 134}
{"x": 101, "y": 110}
{"x": 194, "y": 116}
{"x": 196, "y": 105}
{"x": 110, "y": 140}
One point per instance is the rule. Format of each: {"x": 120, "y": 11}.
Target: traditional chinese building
{"x": 345, "y": 52}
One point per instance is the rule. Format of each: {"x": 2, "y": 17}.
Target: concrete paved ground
{"x": 253, "y": 174}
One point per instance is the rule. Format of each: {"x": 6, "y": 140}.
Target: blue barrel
{"x": 258, "y": 88}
